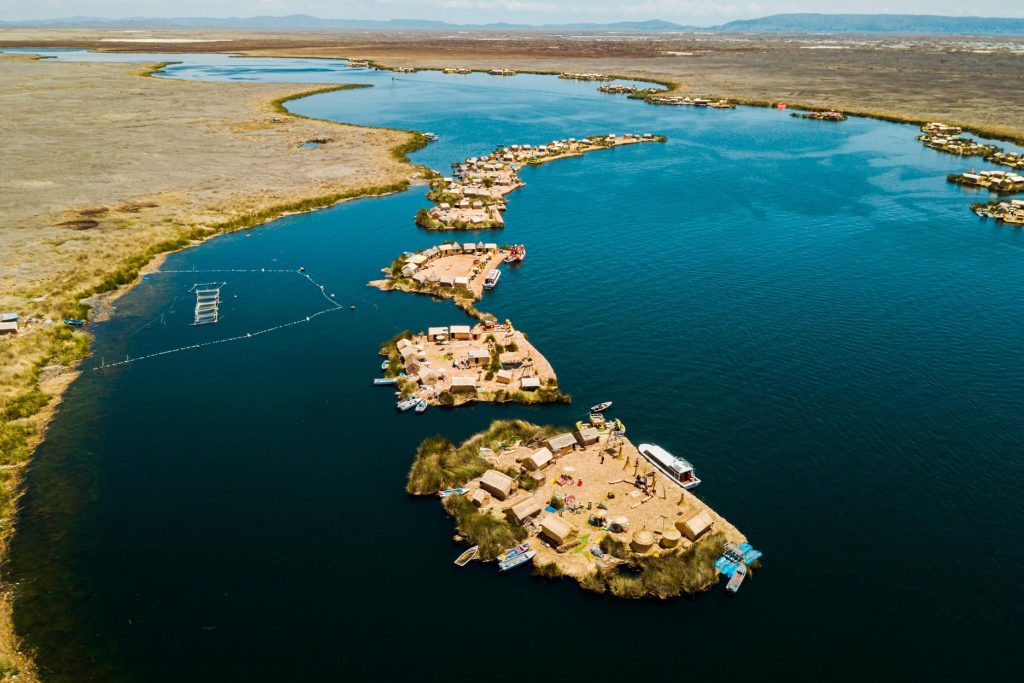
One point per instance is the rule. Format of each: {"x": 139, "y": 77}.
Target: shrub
{"x": 556, "y": 502}
{"x": 492, "y": 534}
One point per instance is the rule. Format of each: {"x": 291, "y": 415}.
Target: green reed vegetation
{"x": 439, "y": 464}
{"x": 491, "y": 533}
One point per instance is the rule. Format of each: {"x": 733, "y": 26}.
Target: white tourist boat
{"x": 675, "y": 468}
{"x": 491, "y": 281}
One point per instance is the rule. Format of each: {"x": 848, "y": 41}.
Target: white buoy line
{"x": 334, "y": 306}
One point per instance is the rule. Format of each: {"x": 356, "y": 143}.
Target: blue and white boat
{"x": 675, "y": 468}
{"x": 444, "y": 493}
{"x": 514, "y": 562}
{"x": 384, "y": 381}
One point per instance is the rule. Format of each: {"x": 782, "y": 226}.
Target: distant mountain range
{"x": 778, "y": 23}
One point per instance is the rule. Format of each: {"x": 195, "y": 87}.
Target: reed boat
{"x": 464, "y": 559}
{"x": 678, "y": 470}
{"x": 602, "y": 425}
{"x": 514, "y": 562}
{"x": 385, "y": 381}
{"x": 736, "y": 580}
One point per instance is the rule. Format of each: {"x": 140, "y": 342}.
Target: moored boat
{"x": 491, "y": 281}
{"x": 384, "y": 365}
{"x": 520, "y": 549}
{"x": 514, "y": 562}
{"x": 444, "y": 493}
{"x": 675, "y": 468}
{"x": 421, "y": 407}
{"x": 385, "y": 381}
{"x": 407, "y": 403}
{"x": 736, "y": 580}
{"x": 464, "y": 559}
{"x": 601, "y": 407}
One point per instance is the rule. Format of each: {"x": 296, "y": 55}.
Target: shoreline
{"x": 121, "y": 277}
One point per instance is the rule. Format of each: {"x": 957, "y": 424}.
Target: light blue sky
{"x": 519, "y": 11}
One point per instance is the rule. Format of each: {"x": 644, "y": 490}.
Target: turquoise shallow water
{"x": 806, "y": 311}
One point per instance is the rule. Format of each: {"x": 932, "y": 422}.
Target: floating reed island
{"x": 456, "y": 70}
{"x": 679, "y": 101}
{"x": 358, "y": 64}
{"x": 589, "y": 505}
{"x": 472, "y": 198}
{"x": 404, "y": 69}
{"x": 573, "y": 76}
{"x": 458, "y": 364}
{"x": 451, "y": 271}
{"x": 1011, "y": 159}
{"x": 946, "y": 138}
{"x": 1011, "y": 212}
{"x": 999, "y": 182}
{"x": 502, "y": 72}
{"x": 828, "y": 115}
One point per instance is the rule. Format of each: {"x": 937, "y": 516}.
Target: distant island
{"x": 776, "y": 23}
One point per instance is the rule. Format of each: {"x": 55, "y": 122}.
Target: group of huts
{"x": 416, "y": 266}
{"x": 495, "y": 487}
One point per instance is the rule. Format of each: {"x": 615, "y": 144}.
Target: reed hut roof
{"x": 525, "y": 509}
{"x": 538, "y": 459}
{"x": 643, "y": 538}
{"x": 556, "y": 528}
{"x": 695, "y": 526}
{"x": 498, "y": 484}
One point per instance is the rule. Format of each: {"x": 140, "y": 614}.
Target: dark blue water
{"x": 806, "y": 311}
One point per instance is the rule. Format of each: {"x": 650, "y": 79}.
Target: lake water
{"x": 806, "y": 311}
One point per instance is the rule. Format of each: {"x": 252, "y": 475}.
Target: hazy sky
{"x": 522, "y": 11}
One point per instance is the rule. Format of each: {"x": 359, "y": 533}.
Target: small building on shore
{"x": 463, "y": 384}
{"x": 529, "y": 383}
{"x": 696, "y": 526}
{"x": 496, "y": 483}
{"x": 561, "y": 443}
{"x": 437, "y": 333}
{"x": 523, "y": 510}
{"x": 476, "y": 356}
{"x": 587, "y": 436}
{"x": 503, "y": 376}
{"x": 539, "y": 459}
{"x": 8, "y": 323}
{"x": 556, "y": 529}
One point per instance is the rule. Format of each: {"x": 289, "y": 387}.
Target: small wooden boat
{"x": 601, "y": 407}
{"x": 385, "y": 364}
{"x": 421, "y": 407}
{"x": 520, "y": 549}
{"x": 407, "y": 403}
{"x": 385, "y": 381}
{"x": 430, "y": 136}
{"x": 514, "y": 562}
{"x": 464, "y": 559}
{"x": 467, "y": 556}
{"x": 444, "y": 493}
{"x": 736, "y": 580}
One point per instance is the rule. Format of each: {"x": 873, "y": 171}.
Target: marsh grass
{"x": 491, "y": 533}
{"x": 662, "y": 576}
{"x": 439, "y": 464}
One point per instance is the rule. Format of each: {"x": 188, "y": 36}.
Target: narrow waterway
{"x": 806, "y": 311}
